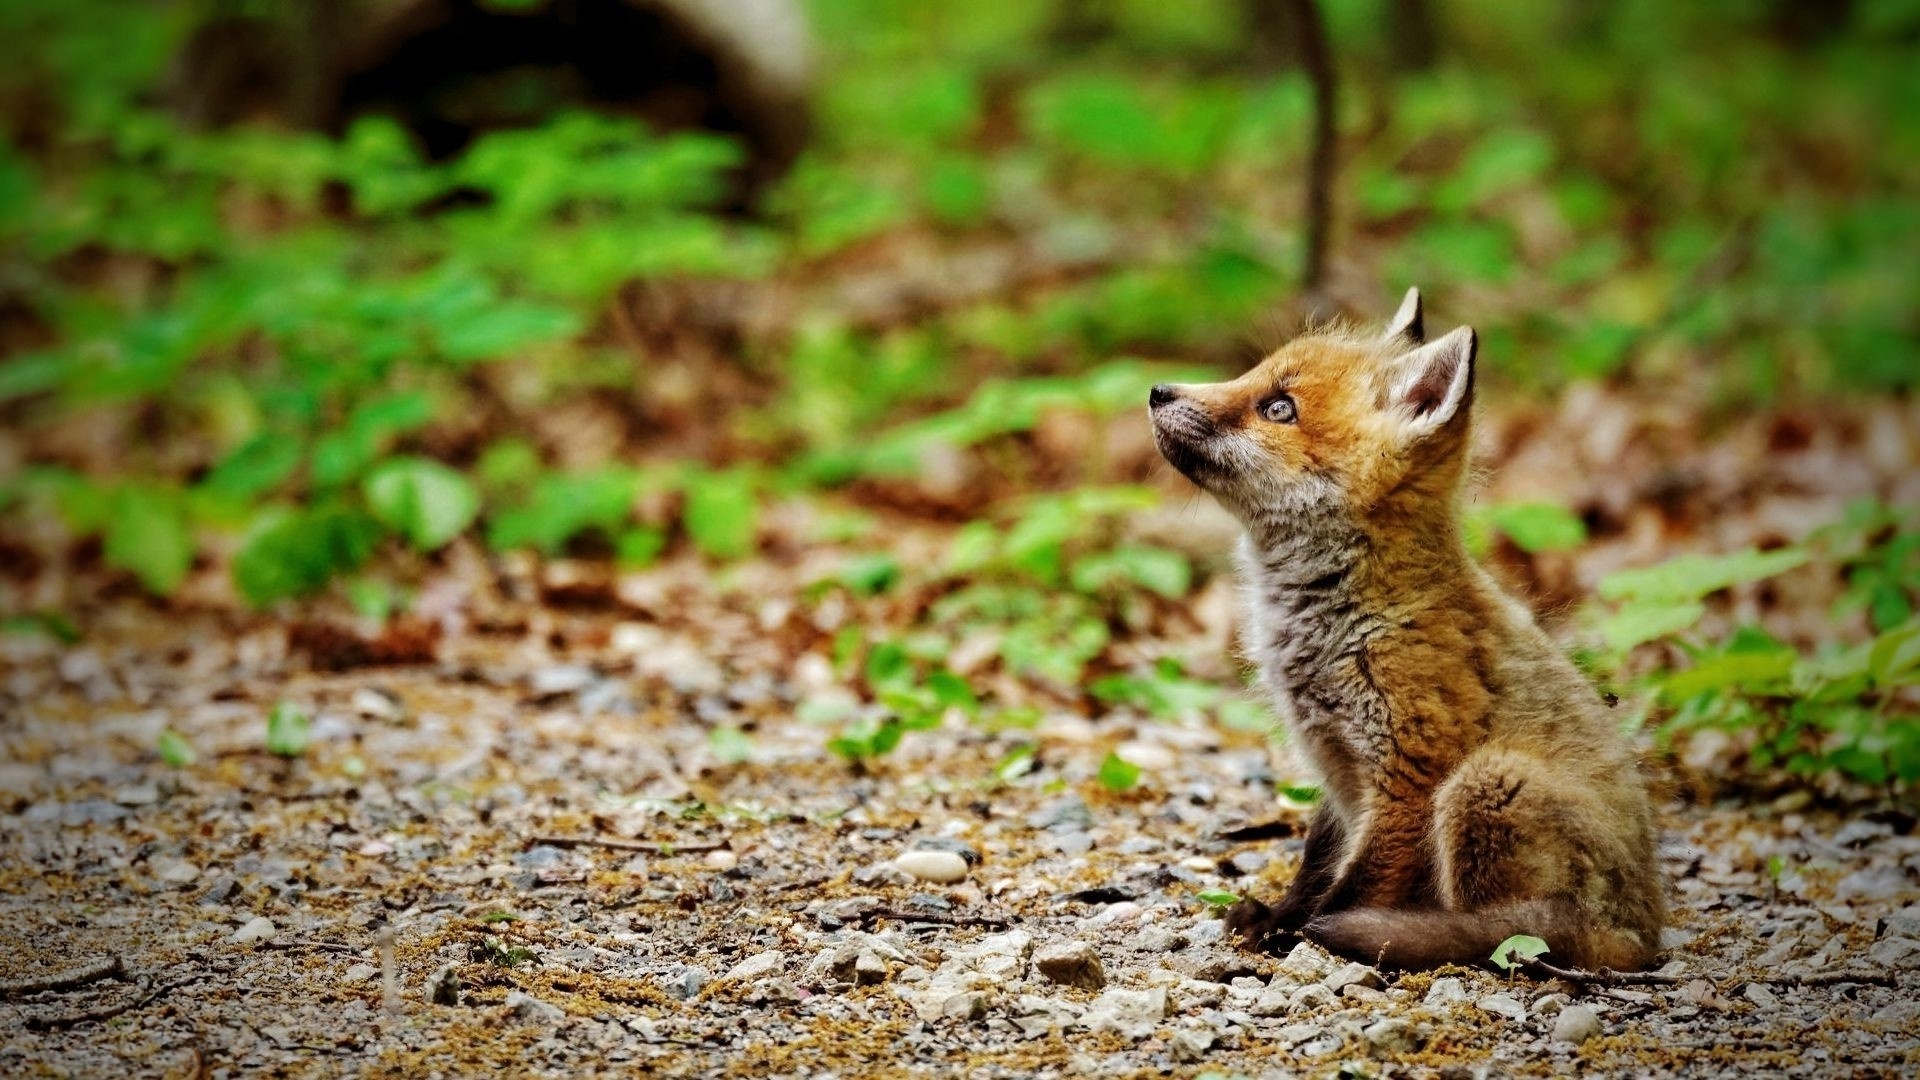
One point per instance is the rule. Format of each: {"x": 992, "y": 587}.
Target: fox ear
{"x": 1434, "y": 382}
{"x": 1407, "y": 327}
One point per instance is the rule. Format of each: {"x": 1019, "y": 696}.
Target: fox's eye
{"x": 1280, "y": 410}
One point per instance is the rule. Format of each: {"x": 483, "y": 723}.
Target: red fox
{"x": 1475, "y": 786}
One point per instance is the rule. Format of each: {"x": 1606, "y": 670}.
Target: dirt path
{"x": 749, "y": 917}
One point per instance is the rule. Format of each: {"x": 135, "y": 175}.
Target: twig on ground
{"x": 64, "y": 979}
{"x": 990, "y": 922}
{"x": 1605, "y": 976}
{"x": 653, "y": 847}
{"x": 322, "y": 946}
{"x": 108, "y": 1012}
{"x": 1610, "y": 977}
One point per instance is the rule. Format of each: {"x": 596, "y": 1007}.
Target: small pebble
{"x": 722, "y": 859}
{"x": 527, "y": 1007}
{"x": 758, "y": 966}
{"x": 256, "y": 930}
{"x": 943, "y": 867}
{"x": 1762, "y": 996}
{"x": 1191, "y": 1045}
{"x": 1446, "y": 991}
{"x": 1072, "y": 963}
{"x": 1391, "y": 1036}
{"x": 1503, "y": 1005}
{"x": 443, "y": 986}
{"x": 1576, "y": 1024}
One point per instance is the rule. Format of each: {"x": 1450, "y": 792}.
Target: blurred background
{"x": 307, "y": 306}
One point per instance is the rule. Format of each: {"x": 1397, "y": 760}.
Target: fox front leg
{"x": 1265, "y": 927}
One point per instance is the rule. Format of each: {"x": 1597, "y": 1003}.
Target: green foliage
{"x": 288, "y": 731}
{"x": 50, "y": 624}
{"x": 1516, "y": 951}
{"x": 422, "y": 500}
{"x": 175, "y": 750}
{"x": 497, "y": 953}
{"x": 1217, "y": 898}
{"x": 1832, "y": 709}
{"x": 722, "y": 513}
{"x": 730, "y": 745}
{"x": 1118, "y": 774}
{"x": 147, "y": 535}
{"x": 292, "y": 553}
{"x": 1533, "y": 527}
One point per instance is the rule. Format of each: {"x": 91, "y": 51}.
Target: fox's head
{"x": 1331, "y": 421}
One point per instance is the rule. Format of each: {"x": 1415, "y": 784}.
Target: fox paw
{"x": 1263, "y": 927}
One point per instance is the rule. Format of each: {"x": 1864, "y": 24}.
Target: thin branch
{"x": 1609, "y": 977}
{"x": 322, "y": 946}
{"x": 1317, "y": 59}
{"x": 990, "y": 922}
{"x": 64, "y": 979}
{"x": 108, "y": 1012}
{"x": 1605, "y": 976}
{"x": 652, "y": 847}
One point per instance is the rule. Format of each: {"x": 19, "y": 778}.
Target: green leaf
{"x": 1118, "y": 774}
{"x": 50, "y": 624}
{"x": 1300, "y": 793}
{"x": 288, "y": 731}
{"x": 1155, "y": 569}
{"x": 1539, "y": 527}
{"x": 147, "y": 536}
{"x": 730, "y": 745}
{"x": 866, "y": 575}
{"x": 1694, "y": 577}
{"x": 505, "y": 328}
{"x": 294, "y": 553}
{"x": 254, "y": 468}
{"x": 1217, "y": 897}
{"x": 888, "y": 666}
{"x": 421, "y": 499}
{"x": 1517, "y": 949}
{"x": 638, "y": 547}
{"x": 175, "y": 750}
{"x": 951, "y": 691}
{"x": 1749, "y": 671}
{"x": 722, "y": 514}
{"x": 1896, "y": 656}
{"x": 1643, "y": 621}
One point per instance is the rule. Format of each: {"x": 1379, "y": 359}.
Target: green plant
{"x": 1831, "y": 709}
{"x": 289, "y": 731}
{"x": 1515, "y": 951}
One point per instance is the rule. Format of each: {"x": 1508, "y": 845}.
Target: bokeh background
{"x": 310, "y": 308}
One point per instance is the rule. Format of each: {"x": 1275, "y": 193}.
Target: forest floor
{"x": 514, "y": 804}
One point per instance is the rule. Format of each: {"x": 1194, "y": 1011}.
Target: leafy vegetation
{"x": 1827, "y": 707}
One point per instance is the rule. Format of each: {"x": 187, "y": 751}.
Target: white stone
{"x": 175, "y": 871}
{"x": 1503, "y": 1005}
{"x": 259, "y": 929}
{"x": 1130, "y": 1013}
{"x": 527, "y": 1007}
{"x": 758, "y": 966}
{"x": 1576, "y": 1024}
{"x": 1446, "y": 991}
{"x": 941, "y": 867}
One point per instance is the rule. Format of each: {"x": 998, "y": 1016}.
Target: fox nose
{"x": 1160, "y": 395}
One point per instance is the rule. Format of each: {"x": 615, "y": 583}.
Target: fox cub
{"x": 1475, "y": 786}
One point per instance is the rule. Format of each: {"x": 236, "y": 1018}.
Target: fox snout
{"x": 1181, "y": 429}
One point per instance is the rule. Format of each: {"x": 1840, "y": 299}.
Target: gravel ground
{"x": 570, "y": 877}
